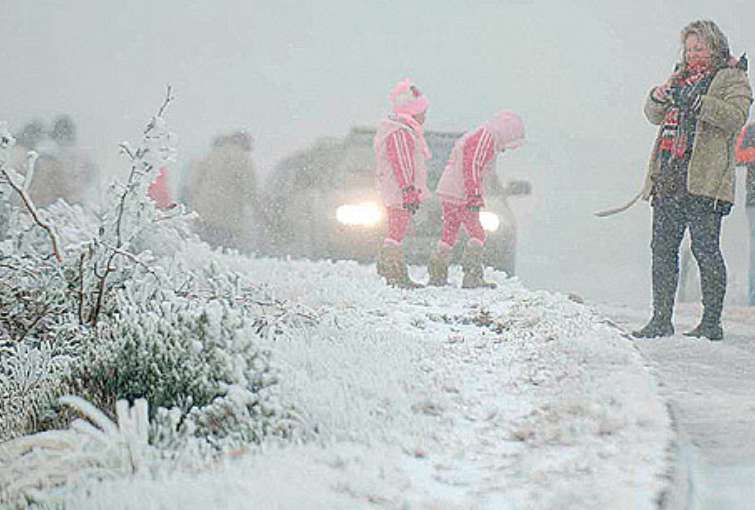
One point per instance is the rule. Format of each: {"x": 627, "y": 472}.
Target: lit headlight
{"x": 490, "y": 221}
{"x": 366, "y": 214}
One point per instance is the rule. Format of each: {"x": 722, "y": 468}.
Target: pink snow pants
{"x": 398, "y": 222}
{"x": 454, "y": 216}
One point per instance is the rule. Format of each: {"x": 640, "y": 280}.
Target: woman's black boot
{"x": 657, "y": 327}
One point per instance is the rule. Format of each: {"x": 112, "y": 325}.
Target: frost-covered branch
{"x": 31, "y": 163}
{"x": 80, "y": 306}
{"x": 168, "y": 98}
{"x": 101, "y": 287}
{"x": 21, "y": 269}
{"x": 155, "y": 148}
{"x": 21, "y": 191}
{"x": 132, "y": 257}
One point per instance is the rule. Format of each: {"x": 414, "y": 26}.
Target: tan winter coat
{"x": 724, "y": 111}
{"x": 222, "y": 189}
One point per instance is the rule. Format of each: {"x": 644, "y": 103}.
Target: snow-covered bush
{"x": 199, "y": 357}
{"x": 53, "y": 288}
{"x": 96, "y": 304}
{"x": 31, "y": 380}
{"x": 149, "y": 350}
{"x": 33, "y": 303}
{"x": 40, "y": 336}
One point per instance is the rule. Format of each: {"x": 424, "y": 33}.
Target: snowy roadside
{"x": 709, "y": 388}
{"x": 436, "y": 398}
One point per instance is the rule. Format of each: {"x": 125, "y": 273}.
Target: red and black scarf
{"x": 679, "y": 122}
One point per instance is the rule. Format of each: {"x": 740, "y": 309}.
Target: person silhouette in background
{"x": 222, "y": 191}
{"x": 63, "y": 170}
{"x": 159, "y": 190}
{"x": 745, "y": 155}
{"x": 30, "y": 136}
{"x": 27, "y": 140}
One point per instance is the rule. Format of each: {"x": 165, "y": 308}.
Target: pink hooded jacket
{"x": 400, "y": 162}
{"x": 474, "y": 155}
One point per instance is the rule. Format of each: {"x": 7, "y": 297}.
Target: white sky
{"x": 291, "y": 71}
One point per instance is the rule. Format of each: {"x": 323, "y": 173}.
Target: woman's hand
{"x": 662, "y": 91}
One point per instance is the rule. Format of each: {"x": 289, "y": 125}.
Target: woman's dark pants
{"x": 671, "y": 217}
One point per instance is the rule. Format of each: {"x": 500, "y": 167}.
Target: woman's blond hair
{"x": 709, "y": 32}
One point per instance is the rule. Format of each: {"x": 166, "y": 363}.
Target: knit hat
{"x": 507, "y": 129}
{"x": 407, "y": 99}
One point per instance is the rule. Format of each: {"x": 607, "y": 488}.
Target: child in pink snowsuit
{"x": 400, "y": 154}
{"x": 461, "y": 192}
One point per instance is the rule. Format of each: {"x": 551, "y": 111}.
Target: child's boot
{"x": 437, "y": 267}
{"x": 471, "y": 264}
{"x": 396, "y": 272}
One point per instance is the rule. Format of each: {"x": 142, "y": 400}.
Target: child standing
{"x": 400, "y": 154}
{"x": 461, "y": 192}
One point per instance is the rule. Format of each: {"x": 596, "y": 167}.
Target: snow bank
{"x": 435, "y": 398}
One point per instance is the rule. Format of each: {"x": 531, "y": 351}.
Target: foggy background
{"x": 292, "y": 71}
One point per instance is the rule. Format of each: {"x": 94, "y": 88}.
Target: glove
{"x": 410, "y": 196}
{"x": 475, "y": 202}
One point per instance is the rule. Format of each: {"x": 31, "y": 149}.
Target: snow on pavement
{"x": 436, "y": 398}
{"x": 710, "y": 387}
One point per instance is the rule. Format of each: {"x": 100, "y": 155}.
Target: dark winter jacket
{"x": 723, "y": 112}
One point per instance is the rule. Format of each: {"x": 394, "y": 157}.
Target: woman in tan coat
{"x": 700, "y": 110}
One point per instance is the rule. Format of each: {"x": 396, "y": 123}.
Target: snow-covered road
{"x": 711, "y": 389}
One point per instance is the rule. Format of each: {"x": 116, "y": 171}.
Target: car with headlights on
{"x": 322, "y": 202}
